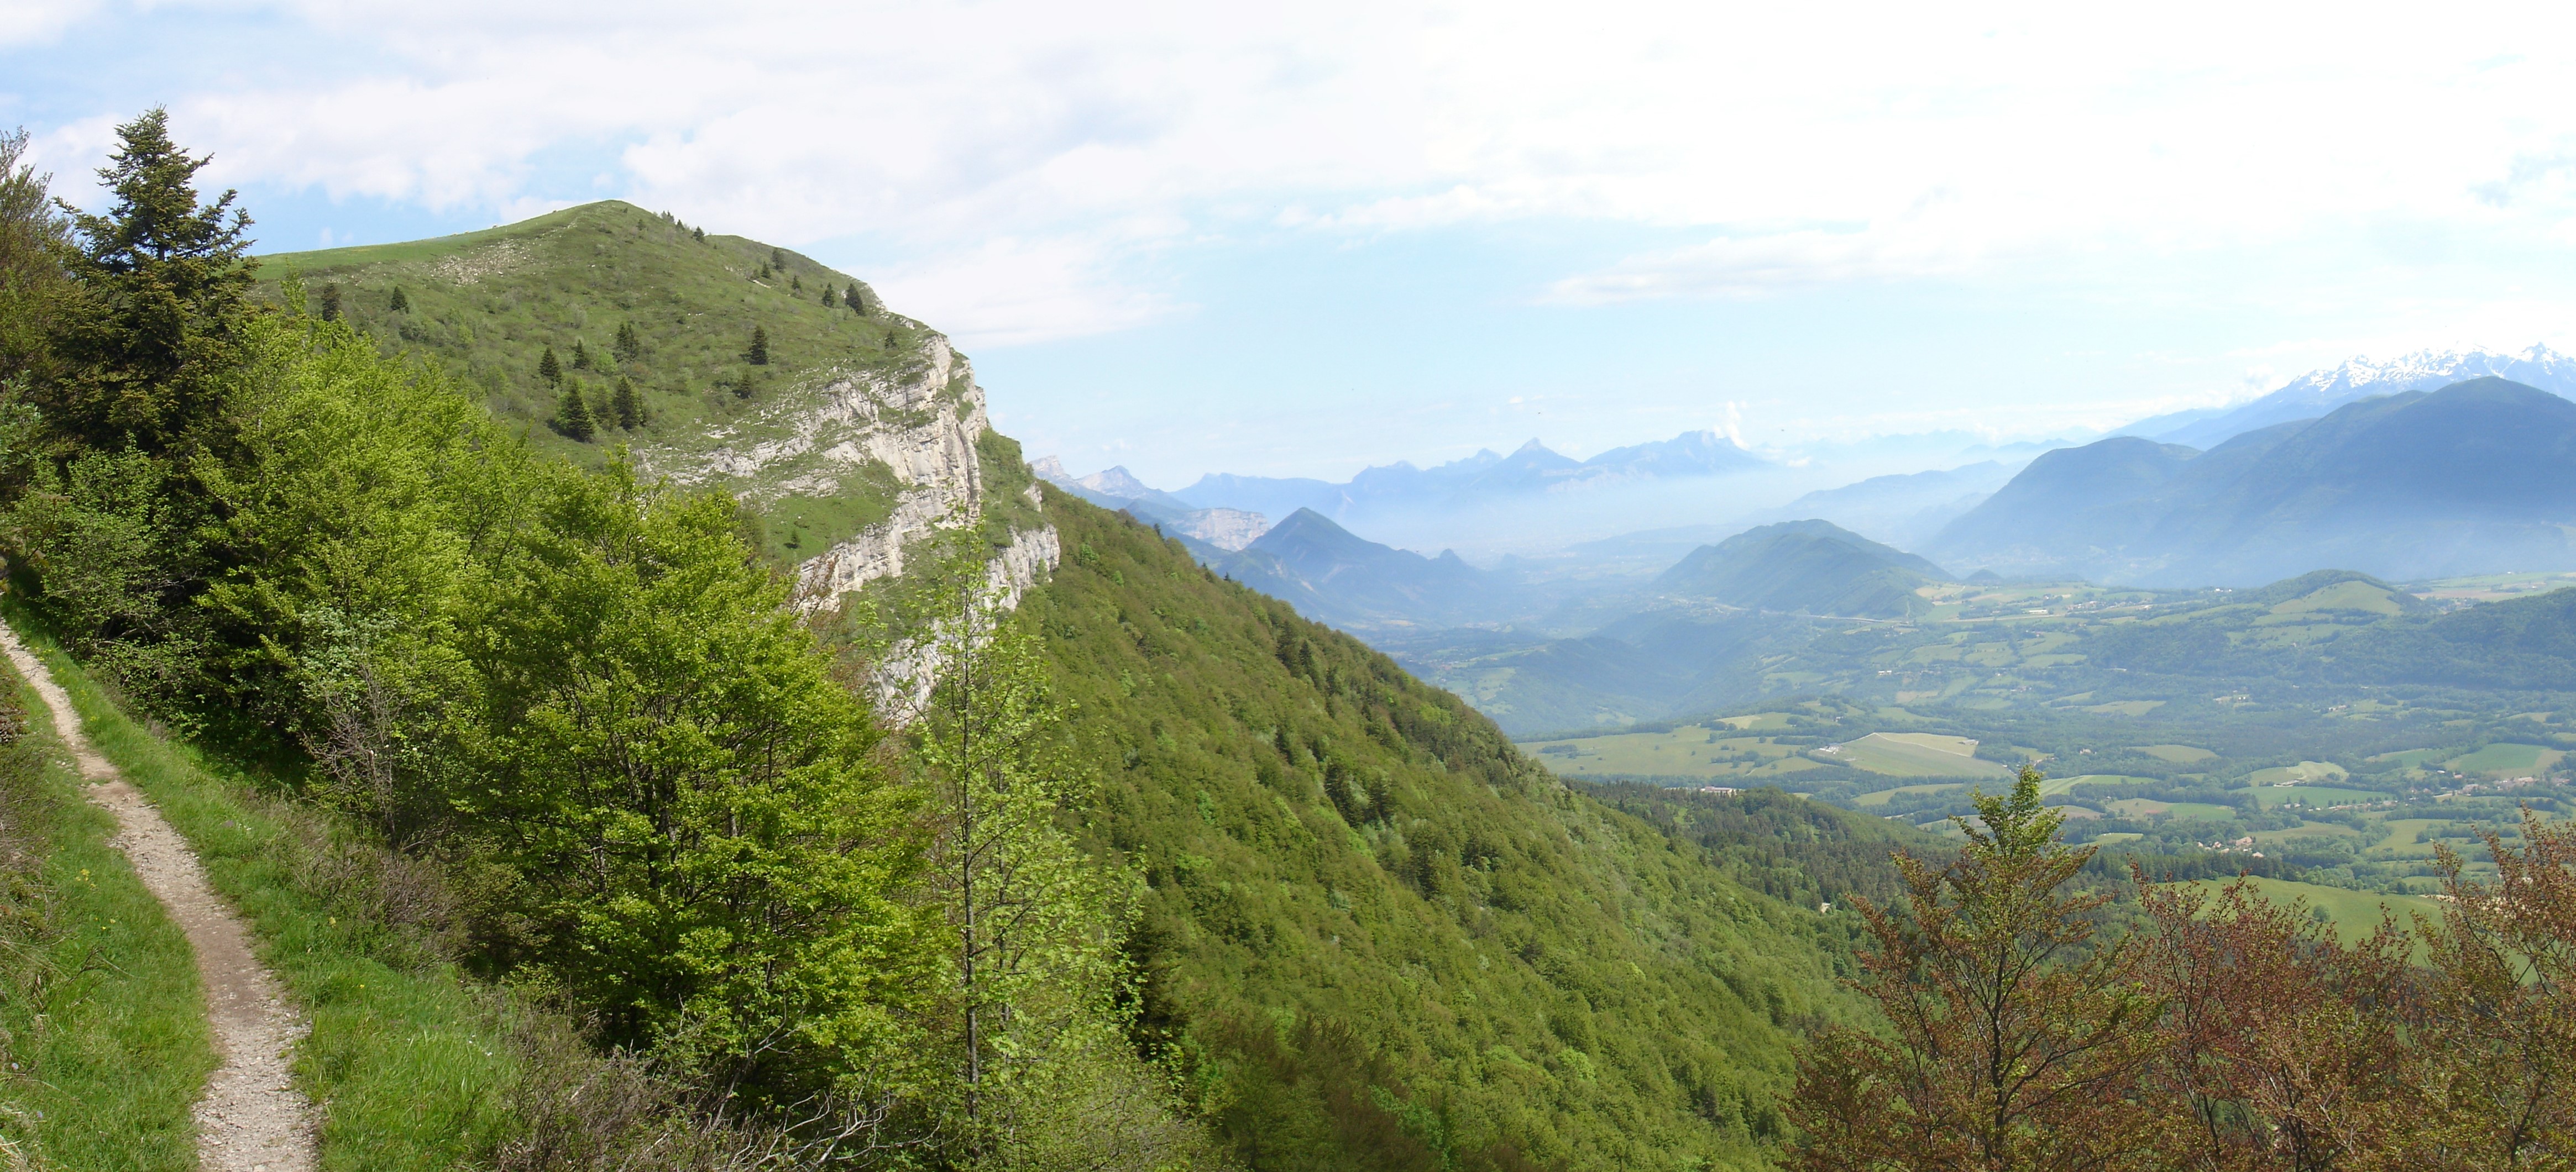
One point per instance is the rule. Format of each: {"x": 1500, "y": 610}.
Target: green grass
{"x": 117, "y": 1047}
{"x": 2506, "y": 758}
{"x": 1692, "y": 751}
{"x": 2273, "y": 797}
{"x": 2058, "y": 785}
{"x": 1914, "y": 755}
{"x": 2178, "y": 754}
{"x": 2122, "y": 707}
{"x": 407, "y": 1064}
{"x": 2356, "y": 914}
{"x": 2304, "y": 771}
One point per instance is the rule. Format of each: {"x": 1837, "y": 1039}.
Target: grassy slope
{"x": 406, "y": 1062}
{"x": 113, "y": 1040}
{"x": 487, "y": 304}
{"x": 1325, "y": 836}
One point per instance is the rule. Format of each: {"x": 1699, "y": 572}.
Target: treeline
{"x": 652, "y": 794}
{"x": 2220, "y": 1031}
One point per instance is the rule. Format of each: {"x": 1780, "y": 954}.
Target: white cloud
{"x": 1798, "y": 144}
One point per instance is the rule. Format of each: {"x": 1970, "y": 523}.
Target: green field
{"x": 2126, "y": 707}
{"x": 2356, "y": 914}
{"x": 1692, "y": 751}
{"x": 2179, "y": 811}
{"x": 2274, "y": 797}
{"x": 2304, "y": 771}
{"x": 1913, "y": 755}
{"x": 2506, "y": 759}
{"x": 2178, "y": 754}
{"x": 2058, "y": 785}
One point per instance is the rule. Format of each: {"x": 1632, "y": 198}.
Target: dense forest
{"x": 589, "y": 847}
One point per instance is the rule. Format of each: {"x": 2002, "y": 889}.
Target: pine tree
{"x": 550, "y": 370}
{"x": 629, "y": 347}
{"x": 580, "y": 355}
{"x": 758, "y": 355}
{"x": 159, "y": 300}
{"x": 331, "y": 301}
{"x": 830, "y": 298}
{"x": 625, "y": 406}
{"x": 698, "y": 233}
{"x": 777, "y": 259}
{"x": 398, "y": 303}
{"x": 572, "y": 416}
{"x": 763, "y": 274}
{"x": 858, "y": 304}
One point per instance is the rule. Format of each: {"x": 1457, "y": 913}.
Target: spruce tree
{"x": 572, "y": 416}
{"x": 857, "y": 303}
{"x": 580, "y": 355}
{"x": 159, "y": 299}
{"x": 331, "y": 301}
{"x": 777, "y": 259}
{"x": 758, "y": 355}
{"x": 625, "y": 406}
{"x": 698, "y": 234}
{"x": 830, "y": 298}
{"x": 629, "y": 346}
{"x": 398, "y": 303}
{"x": 549, "y": 369}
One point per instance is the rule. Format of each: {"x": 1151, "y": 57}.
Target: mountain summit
{"x": 2319, "y": 391}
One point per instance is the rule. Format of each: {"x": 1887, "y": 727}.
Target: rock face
{"x": 904, "y": 443}
{"x": 1224, "y": 528}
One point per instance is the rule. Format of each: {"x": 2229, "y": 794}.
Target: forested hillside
{"x": 1338, "y": 855}
{"x": 979, "y": 865}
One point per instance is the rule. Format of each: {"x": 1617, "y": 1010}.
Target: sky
{"x": 1309, "y": 238}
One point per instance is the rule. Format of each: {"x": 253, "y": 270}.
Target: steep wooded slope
{"x": 1330, "y": 845}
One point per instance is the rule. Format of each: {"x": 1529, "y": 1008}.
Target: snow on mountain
{"x": 2320, "y": 391}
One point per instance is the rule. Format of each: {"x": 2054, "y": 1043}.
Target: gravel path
{"x": 252, "y": 1118}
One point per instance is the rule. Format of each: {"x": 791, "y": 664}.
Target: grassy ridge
{"x": 105, "y": 1026}
{"x": 409, "y": 1066}
{"x": 1326, "y": 838}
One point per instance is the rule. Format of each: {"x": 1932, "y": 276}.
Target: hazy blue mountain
{"x": 1483, "y": 480}
{"x": 1903, "y": 510}
{"x": 2473, "y": 478}
{"x": 2320, "y": 391}
{"x": 1334, "y": 576}
{"x": 1117, "y": 488}
{"x": 1805, "y": 567}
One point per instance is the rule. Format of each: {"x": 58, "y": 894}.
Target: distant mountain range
{"x": 2473, "y": 478}
{"x": 1479, "y": 480}
{"x": 2319, "y": 391}
{"x": 1117, "y": 488}
{"x": 1333, "y": 576}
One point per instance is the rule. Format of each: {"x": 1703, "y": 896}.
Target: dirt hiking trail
{"x": 252, "y": 1119}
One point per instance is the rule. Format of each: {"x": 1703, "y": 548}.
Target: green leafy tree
{"x": 629, "y": 346}
{"x": 712, "y": 853}
{"x": 159, "y": 297}
{"x": 33, "y": 237}
{"x": 331, "y": 301}
{"x": 573, "y": 419}
{"x": 2015, "y": 1044}
{"x": 1033, "y": 1032}
{"x": 398, "y": 303}
{"x": 758, "y": 352}
{"x": 625, "y": 406}
{"x": 549, "y": 369}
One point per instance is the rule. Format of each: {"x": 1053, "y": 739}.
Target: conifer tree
{"x": 580, "y": 355}
{"x": 830, "y": 298}
{"x": 629, "y": 346}
{"x": 699, "y": 234}
{"x": 158, "y": 300}
{"x": 32, "y": 236}
{"x": 796, "y": 283}
{"x": 625, "y": 406}
{"x": 398, "y": 303}
{"x": 548, "y": 369}
{"x": 2015, "y": 1042}
{"x": 331, "y": 301}
{"x": 777, "y": 259}
{"x": 572, "y": 416}
{"x": 758, "y": 354}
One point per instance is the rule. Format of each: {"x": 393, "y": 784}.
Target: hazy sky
{"x": 1302, "y": 239}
